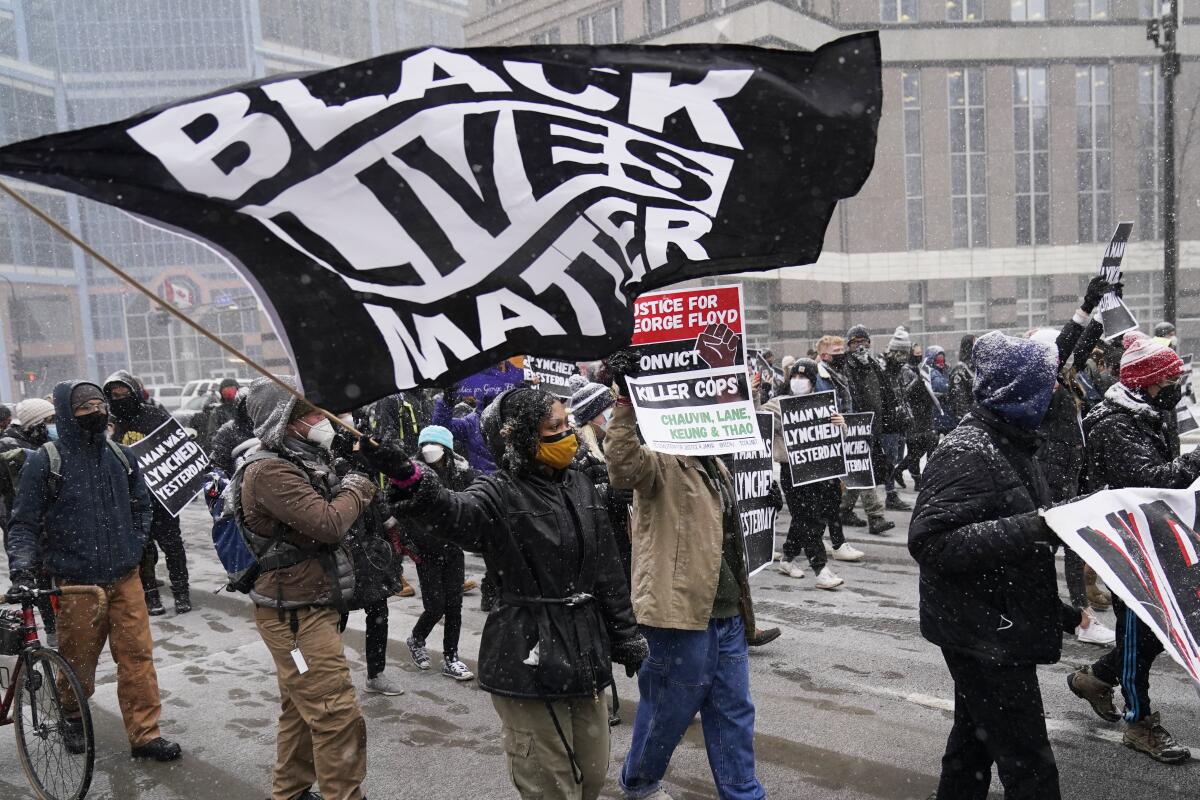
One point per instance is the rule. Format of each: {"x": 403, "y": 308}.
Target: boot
{"x": 894, "y": 503}
{"x": 406, "y": 589}
{"x": 1098, "y": 598}
{"x": 72, "y": 734}
{"x": 1085, "y": 685}
{"x": 158, "y": 749}
{"x": 1149, "y": 737}
{"x": 852, "y": 520}
{"x": 898, "y": 478}
{"x": 183, "y": 600}
{"x": 880, "y": 526}
{"x": 154, "y": 603}
{"x": 468, "y": 585}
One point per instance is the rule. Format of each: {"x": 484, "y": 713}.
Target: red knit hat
{"x": 1147, "y": 362}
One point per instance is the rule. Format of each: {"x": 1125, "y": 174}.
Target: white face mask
{"x": 432, "y": 453}
{"x": 321, "y": 434}
{"x": 605, "y": 417}
{"x": 801, "y": 386}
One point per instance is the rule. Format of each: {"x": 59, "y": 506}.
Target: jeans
{"x": 893, "y": 448}
{"x": 687, "y": 672}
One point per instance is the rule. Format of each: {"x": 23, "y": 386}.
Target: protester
{"x": 592, "y": 409}
{"x": 692, "y": 600}
{"x": 871, "y": 392}
{"x": 395, "y": 417}
{"x": 988, "y": 586}
{"x": 542, "y": 527}
{"x": 222, "y": 411}
{"x": 466, "y": 430}
{"x": 926, "y": 394}
{"x": 959, "y": 397}
{"x": 895, "y": 361}
{"x": 134, "y": 419}
{"x": 813, "y": 505}
{"x": 1127, "y": 446}
{"x": 440, "y": 564}
{"x": 88, "y": 525}
{"x": 235, "y": 432}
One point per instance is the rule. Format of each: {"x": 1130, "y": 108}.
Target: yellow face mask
{"x": 557, "y": 451}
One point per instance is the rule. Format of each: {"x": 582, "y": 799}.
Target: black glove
{"x": 23, "y": 582}
{"x": 1037, "y": 526}
{"x": 776, "y": 496}
{"x": 343, "y": 442}
{"x": 1097, "y": 287}
{"x": 631, "y": 653}
{"x": 623, "y": 364}
{"x": 388, "y": 457}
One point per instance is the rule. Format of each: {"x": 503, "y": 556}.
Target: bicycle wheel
{"x": 54, "y": 771}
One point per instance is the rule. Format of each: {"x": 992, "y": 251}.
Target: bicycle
{"x": 57, "y": 750}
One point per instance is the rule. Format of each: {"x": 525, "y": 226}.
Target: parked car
{"x": 169, "y": 396}
{"x": 200, "y": 388}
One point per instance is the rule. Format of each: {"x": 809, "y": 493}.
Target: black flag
{"x": 414, "y": 218}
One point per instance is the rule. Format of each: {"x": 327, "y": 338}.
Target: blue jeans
{"x": 893, "y": 448}
{"x": 687, "y": 672}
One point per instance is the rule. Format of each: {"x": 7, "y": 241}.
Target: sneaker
{"x": 469, "y": 585}
{"x": 852, "y": 520}
{"x": 827, "y": 579}
{"x": 453, "y": 668}
{"x": 1085, "y": 685}
{"x": 1149, "y": 737}
{"x": 72, "y": 734}
{"x": 894, "y": 503}
{"x": 879, "y": 526}
{"x": 1097, "y": 633}
{"x": 158, "y": 749}
{"x": 846, "y": 552}
{"x": 183, "y": 601}
{"x": 793, "y": 568}
{"x": 382, "y": 684}
{"x": 416, "y": 648}
{"x": 154, "y": 604}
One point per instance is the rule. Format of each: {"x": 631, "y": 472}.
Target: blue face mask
{"x": 52, "y": 432}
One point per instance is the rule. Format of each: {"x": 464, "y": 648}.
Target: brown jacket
{"x": 676, "y": 533}
{"x": 277, "y": 494}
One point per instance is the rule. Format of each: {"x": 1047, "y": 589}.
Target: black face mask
{"x": 125, "y": 406}
{"x": 838, "y": 361}
{"x": 1167, "y": 398}
{"x": 95, "y": 422}
{"x": 914, "y": 360}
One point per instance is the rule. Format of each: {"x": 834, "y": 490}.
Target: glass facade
{"x": 1149, "y": 152}
{"x": 914, "y": 191}
{"x": 898, "y": 11}
{"x": 1031, "y": 154}
{"x": 968, "y": 158}
{"x": 661, "y": 14}
{"x": 1093, "y": 147}
{"x": 605, "y": 26}
{"x": 1028, "y": 10}
{"x": 964, "y": 10}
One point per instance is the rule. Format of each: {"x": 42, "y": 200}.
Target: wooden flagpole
{"x": 170, "y": 309}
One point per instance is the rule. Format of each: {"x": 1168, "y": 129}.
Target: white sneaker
{"x": 846, "y": 552}
{"x": 826, "y": 579}
{"x": 381, "y": 684}
{"x": 791, "y": 568}
{"x": 1097, "y": 633}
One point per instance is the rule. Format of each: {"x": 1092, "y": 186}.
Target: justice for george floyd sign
{"x": 173, "y": 466}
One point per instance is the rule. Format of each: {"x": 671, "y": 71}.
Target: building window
{"x": 968, "y": 159}
{"x": 970, "y": 305}
{"x": 715, "y": 6}
{"x": 1028, "y": 10}
{"x": 661, "y": 14}
{"x": 964, "y": 10}
{"x": 898, "y": 11}
{"x": 1091, "y": 9}
{"x": 914, "y": 192}
{"x": 1149, "y": 152}
{"x": 602, "y": 27}
{"x": 917, "y": 291}
{"x": 1094, "y": 152}
{"x": 1033, "y": 301}
{"x": 548, "y": 36}
{"x": 1144, "y": 295}
{"x": 1149, "y": 9}
{"x": 1031, "y": 146}
{"x": 107, "y": 318}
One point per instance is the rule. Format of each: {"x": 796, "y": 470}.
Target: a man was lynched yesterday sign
{"x": 412, "y": 219}
{"x": 856, "y": 449}
{"x": 692, "y": 396}
{"x": 550, "y": 374}
{"x": 753, "y": 475}
{"x": 814, "y": 444}
{"x": 173, "y": 466}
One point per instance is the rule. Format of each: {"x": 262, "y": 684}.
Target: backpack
{"x": 241, "y": 567}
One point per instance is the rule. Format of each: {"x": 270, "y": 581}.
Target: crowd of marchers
{"x": 600, "y": 551}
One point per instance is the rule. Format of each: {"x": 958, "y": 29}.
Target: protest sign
{"x": 551, "y": 374}
{"x": 173, "y": 466}
{"x": 693, "y": 394}
{"x": 490, "y": 382}
{"x": 1143, "y": 545}
{"x": 860, "y": 473}
{"x": 813, "y": 442}
{"x": 753, "y": 472}
{"x": 1114, "y": 314}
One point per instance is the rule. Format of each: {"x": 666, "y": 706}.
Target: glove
{"x": 343, "y": 442}
{"x": 776, "y": 496}
{"x": 388, "y": 457}
{"x": 1097, "y": 287}
{"x": 631, "y": 653}
{"x": 1038, "y": 527}
{"x": 23, "y": 582}
{"x": 621, "y": 365}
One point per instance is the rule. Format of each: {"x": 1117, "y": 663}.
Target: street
{"x": 851, "y": 702}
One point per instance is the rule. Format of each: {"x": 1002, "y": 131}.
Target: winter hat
{"x": 270, "y": 408}
{"x": 1014, "y": 378}
{"x": 857, "y": 332}
{"x": 590, "y": 402}
{"x": 576, "y": 382}
{"x": 33, "y": 411}
{"x": 1146, "y": 361}
{"x": 436, "y": 434}
{"x": 1047, "y": 336}
{"x": 787, "y": 363}
{"x": 900, "y": 342}
{"x": 83, "y": 393}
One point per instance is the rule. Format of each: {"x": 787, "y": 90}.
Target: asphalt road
{"x": 851, "y": 701}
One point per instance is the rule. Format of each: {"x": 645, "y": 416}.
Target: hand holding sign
{"x": 622, "y": 364}
{"x": 718, "y": 345}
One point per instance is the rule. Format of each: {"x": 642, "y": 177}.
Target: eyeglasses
{"x": 92, "y": 405}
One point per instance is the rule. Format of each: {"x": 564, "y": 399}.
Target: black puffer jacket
{"x": 871, "y": 390}
{"x": 961, "y": 397}
{"x": 547, "y": 537}
{"x": 1127, "y": 446}
{"x": 229, "y": 436}
{"x": 988, "y": 583}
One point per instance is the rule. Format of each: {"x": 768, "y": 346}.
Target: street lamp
{"x": 19, "y": 365}
{"x": 1162, "y": 32}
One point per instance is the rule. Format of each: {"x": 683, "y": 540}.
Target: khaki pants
{"x": 872, "y": 504}
{"x": 127, "y": 631}
{"x": 322, "y": 740}
{"x": 537, "y": 763}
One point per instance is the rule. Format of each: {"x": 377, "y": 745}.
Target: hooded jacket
{"x": 962, "y": 378}
{"x": 96, "y": 526}
{"x": 143, "y": 420}
{"x": 1127, "y": 446}
{"x": 872, "y": 391}
{"x": 229, "y": 436}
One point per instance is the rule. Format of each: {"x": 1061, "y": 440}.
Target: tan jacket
{"x": 276, "y": 492}
{"x": 676, "y": 531}
{"x": 778, "y": 448}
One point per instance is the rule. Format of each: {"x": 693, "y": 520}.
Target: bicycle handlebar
{"x": 95, "y": 591}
